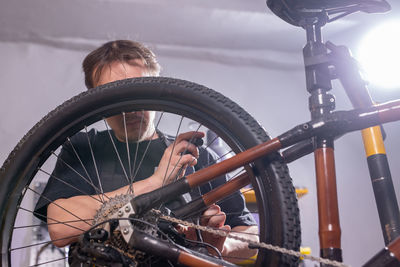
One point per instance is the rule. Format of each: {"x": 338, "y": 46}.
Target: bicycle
{"x": 268, "y": 175}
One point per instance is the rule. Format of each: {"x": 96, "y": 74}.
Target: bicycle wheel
{"x": 276, "y": 201}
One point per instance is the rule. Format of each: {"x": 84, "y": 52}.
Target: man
{"x": 74, "y": 199}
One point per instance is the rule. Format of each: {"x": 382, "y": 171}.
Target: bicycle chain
{"x": 117, "y": 202}
{"x": 250, "y": 242}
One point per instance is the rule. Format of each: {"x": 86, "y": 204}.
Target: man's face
{"x": 139, "y": 125}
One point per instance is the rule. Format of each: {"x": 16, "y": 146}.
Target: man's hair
{"x": 120, "y": 50}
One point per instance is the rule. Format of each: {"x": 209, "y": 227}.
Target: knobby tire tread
{"x": 285, "y": 193}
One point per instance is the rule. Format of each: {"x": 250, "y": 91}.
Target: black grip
{"x": 197, "y": 142}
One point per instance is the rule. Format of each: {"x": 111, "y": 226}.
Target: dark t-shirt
{"x": 78, "y": 171}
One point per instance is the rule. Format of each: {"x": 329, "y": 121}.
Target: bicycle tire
{"x": 276, "y": 199}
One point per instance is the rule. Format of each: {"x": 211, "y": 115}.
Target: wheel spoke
{"x": 75, "y": 171}
{"x": 71, "y": 213}
{"x": 127, "y": 146}
{"x": 181, "y": 170}
{"x": 145, "y": 151}
{"x": 70, "y": 185}
{"x": 116, "y": 152}
{"x": 172, "y": 151}
{"x": 137, "y": 146}
{"x": 56, "y": 221}
{"x": 83, "y": 165}
{"x": 94, "y": 163}
{"x": 47, "y": 262}
{"x": 53, "y": 223}
{"x": 41, "y": 243}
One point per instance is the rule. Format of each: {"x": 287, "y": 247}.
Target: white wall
{"x": 34, "y": 79}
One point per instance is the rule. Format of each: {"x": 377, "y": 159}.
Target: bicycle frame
{"x": 328, "y": 126}
{"x": 317, "y": 135}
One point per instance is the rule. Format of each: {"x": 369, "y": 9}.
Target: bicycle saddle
{"x": 295, "y": 11}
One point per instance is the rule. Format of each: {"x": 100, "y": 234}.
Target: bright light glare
{"x": 379, "y": 55}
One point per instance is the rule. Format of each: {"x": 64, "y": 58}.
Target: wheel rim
{"x": 26, "y": 176}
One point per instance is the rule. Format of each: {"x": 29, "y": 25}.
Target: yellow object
{"x": 252, "y": 260}
{"x": 301, "y": 192}
{"x": 373, "y": 141}
{"x": 249, "y": 262}
{"x": 250, "y": 196}
{"x": 305, "y": 251}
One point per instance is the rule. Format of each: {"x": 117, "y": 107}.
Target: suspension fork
{"x": 355, "y": 87}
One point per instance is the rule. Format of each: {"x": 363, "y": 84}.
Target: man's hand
{"x": 212, "y": 217}
{"x": 215, "y": 218}
{"x": 85, "y": 207}
{"x": 232, "y": 250}
{"x": 176, "y": 158}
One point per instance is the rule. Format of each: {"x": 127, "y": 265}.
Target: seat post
{"x": 321, "y": 102}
